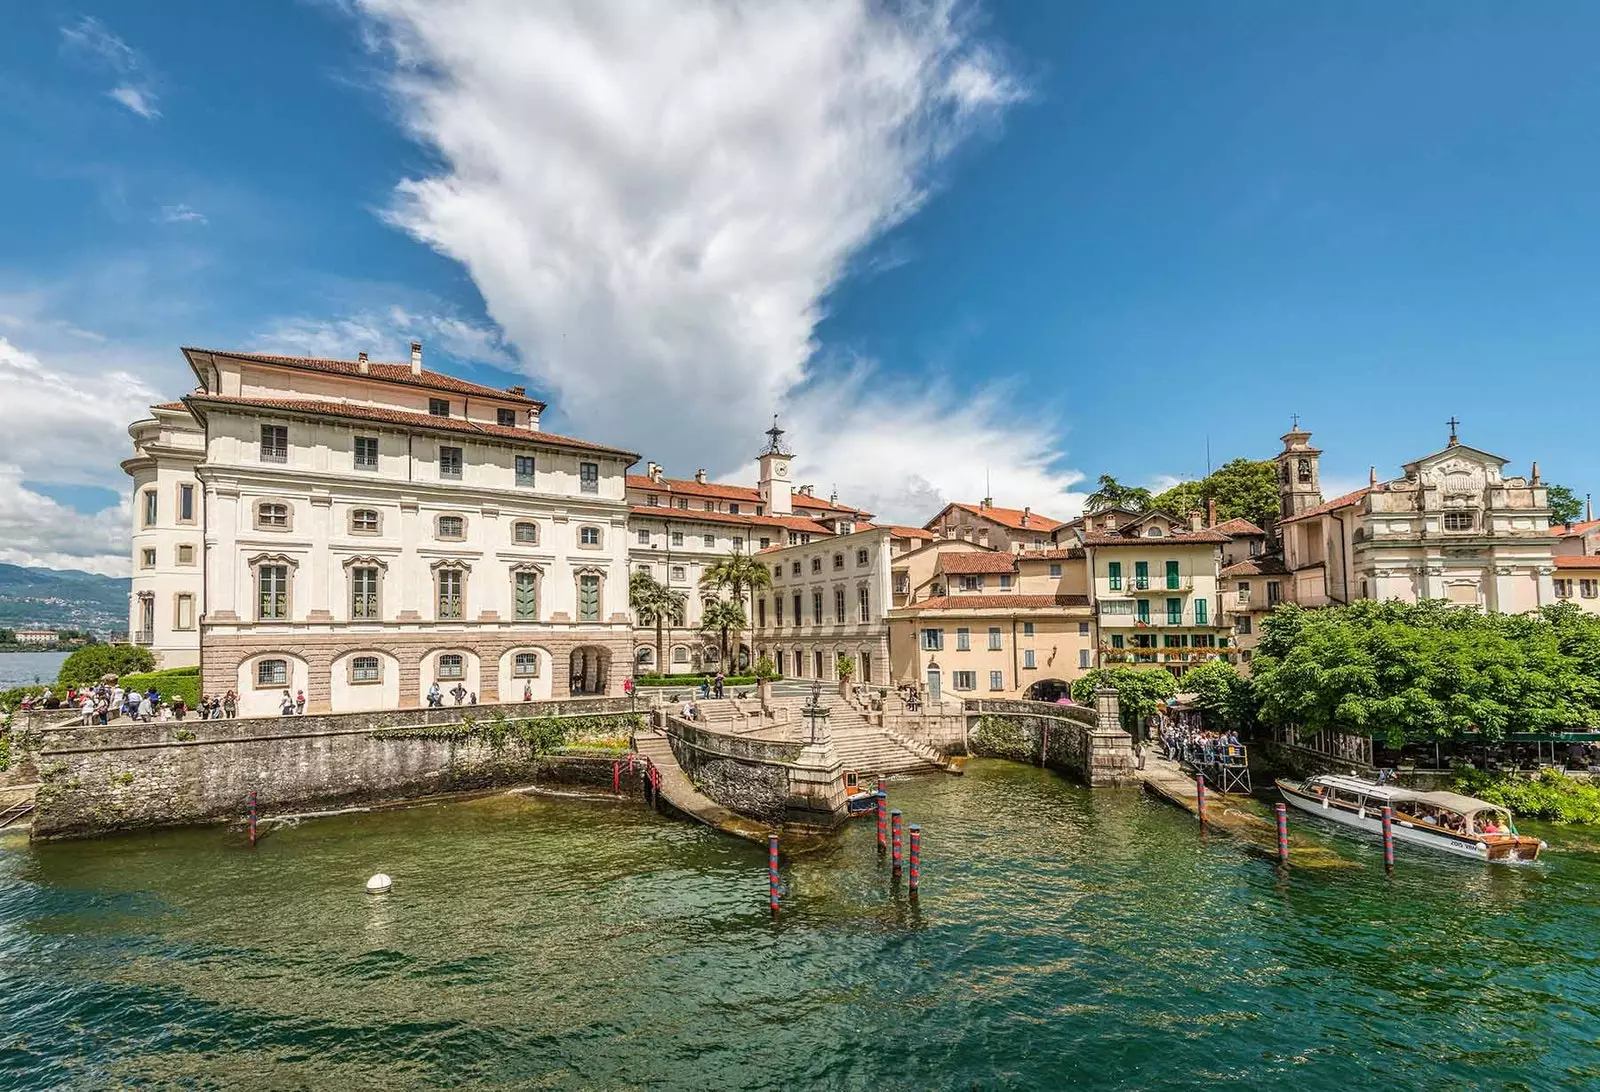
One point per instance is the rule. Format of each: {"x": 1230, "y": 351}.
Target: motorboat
{"x": 1447, "y": 821}
{"x": 859, "y": 800}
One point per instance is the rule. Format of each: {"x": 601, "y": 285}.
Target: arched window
{"x": 451, "y": 665}
{"x": 526, "y": 533}
{"x": 1153, "y": 532}
{"x": 365, "y": 669}
{"x": 525, "y": 665}
{"x": 680, "y": 654}
{"x": 365, "y": 521}
{"x": 589, "y": 536}
{"x": 451, "y": 527}
{"x": 272, "y": 672}
{"x": 272, "y": 516}
{"x": 645, "y": 656}
{"x": 1303, "y": 469}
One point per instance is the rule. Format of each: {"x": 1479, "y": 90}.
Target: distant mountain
{"x": 65, "y": 598}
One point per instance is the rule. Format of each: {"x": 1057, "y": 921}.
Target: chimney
{"x": 361, "y": 364}
{"x": 1372, "y": 477}
{"x": 653, "y": 471}
{"x": 833, "y": 498}
{"x": 700, "y": 476}
{"x": 520, "y": 392}
{"x": 416, "y": 358}
{"x": 986, "y": 502}
{"x": 1211, "y": 511}
{"x": 1536, "y": 475}
{"x": 1026, "y": 512}
{"x": 1195, "y": 518}
{"x": 1588, "y": 507}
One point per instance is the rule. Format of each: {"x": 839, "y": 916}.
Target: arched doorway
{"x": 589, "y": 666}
{"x": 1047, "y": 690}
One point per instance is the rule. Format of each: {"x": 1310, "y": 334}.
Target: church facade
{"x": 1454, "y": 526}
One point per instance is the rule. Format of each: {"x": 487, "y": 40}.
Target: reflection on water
{"x": 1061, "y": 937}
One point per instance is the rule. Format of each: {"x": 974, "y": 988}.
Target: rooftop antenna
{"x": 1208, "y": 455}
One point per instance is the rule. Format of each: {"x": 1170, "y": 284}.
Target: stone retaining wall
{"x": 100, "y": 780}
{"x": 781, "y": 782}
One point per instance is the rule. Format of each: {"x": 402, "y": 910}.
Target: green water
{"x": 1062, "y": 938}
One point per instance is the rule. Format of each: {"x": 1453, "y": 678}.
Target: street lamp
{"x": 814, "y": 708}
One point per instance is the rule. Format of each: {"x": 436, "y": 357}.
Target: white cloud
{"x": 655, "y": 199}
{"x": 386, "y": 336}
{"x": 180, "y": 214}
{"x": 90, "y": 40}
{"x": 140, "y": 101}
{"x": 69, "y": 427}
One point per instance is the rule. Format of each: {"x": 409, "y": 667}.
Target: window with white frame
{"x": 364, "y": 521}
{"x": 147, "y": 557}
{"x": 864, "y": 604}
{"x": 365, "y": 669}
{"x": 838, "y": 606}
{"x": 677, "y": 572}
{"x": 1055, "y": 570}
{"x": 152, "y": 504}
{"x": 794, "y": 568}
{"x": 186, "y": 554}
{"x": 738, "y": 543}
{"x": 677, "y": 538}
{"x": 183, "y": 611}
{"x": 272, "y": 586}
{"x": 366, "y": 453}
{"x": 588, "y": 477}
{"x": 439, "y": 407}
{"x": 588, "y": 536}
{"x": 838, "y": 561}
{"x": 450, "y": 463}
{"x": 816, "y": 608}
{"x": 185, "y": 502}
{"x": 861, "y": 557}
{"x": 933, "y": 640}
{"x": 683, "y": 502}
{"x": 525, "y": 533}
{"x": 680, "y": 654}
{"x": 272, "y": 672}
{"x": 997, "y": 680}
{"x": 525, "y": 665}
{"x": 450, "y": 665}
{"x": 453, "y": 528}
{"x": 1027, "y": 658}
{"x": 451, "y": 584}
{"x": 644, "y": 538}
{"x": 1458, "y": 521}
{"x": 994, "y": 638}
{"x": 1083, "y": 658}
{"x": 1027, "y": 629}
{"x": 1005, "y": 582}
{"x": 271, "y": 516}
{"x": 1589, "y": 589}
{"x": 525, "y": 470}
{"x": 1083, "y": 629}
{"x": 963, "y": 639}
{"x": 364, "y": 592}
{"x": 708, "y": 541}
{"x": 1116, "y": 606}
{"x": 816, "y": 564}
{"x": 964, "y": 680}
{"x": 505, "y": 418}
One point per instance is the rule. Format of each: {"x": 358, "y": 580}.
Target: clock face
{"x": 781, "y": 470}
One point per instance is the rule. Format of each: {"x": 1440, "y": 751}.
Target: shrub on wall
{"x": 177, "y": 682}
{"x": 89, "y": 665}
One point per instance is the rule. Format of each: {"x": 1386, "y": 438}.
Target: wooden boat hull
{"x": 1500, "y": 849}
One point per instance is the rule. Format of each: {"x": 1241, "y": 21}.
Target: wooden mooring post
{"x": 1200, "y": 797}
{"x": 252, "y": 818}
{"x": 896, "y": 854}
{"x": 916, "y": 859}
{"x": 772, "y": 873}
{"x": 1283, "y": 833}
{"x": 1388, "y": 839}
{"x": 883, "y": 819}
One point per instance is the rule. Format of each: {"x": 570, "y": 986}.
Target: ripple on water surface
{"x": 1062, "y": 938}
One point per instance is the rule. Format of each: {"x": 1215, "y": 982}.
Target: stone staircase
{"x": 864, "y": 747}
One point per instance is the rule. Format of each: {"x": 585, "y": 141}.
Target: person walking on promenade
{"x": 286, "y": 706}
{"x": 720, "y": 681}
{"x": 299, "y": 703}
{"x": 527, "y": 691}
{"x": 230, "y": 704}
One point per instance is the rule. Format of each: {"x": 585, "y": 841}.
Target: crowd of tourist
{"x": 1198, "y": 747}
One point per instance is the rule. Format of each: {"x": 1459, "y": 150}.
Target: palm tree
{"x": 1112, "y": 493}
{"x": 656, "y": 604}
{"x": 738, "y": 573}
{"x": 719, "y": 617}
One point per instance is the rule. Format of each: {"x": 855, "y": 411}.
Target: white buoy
{"x": 378, "y": 884}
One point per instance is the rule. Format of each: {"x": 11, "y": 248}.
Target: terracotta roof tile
{"x": 1269, "y": 565}
{"x": 1060, "y": 553}
{"x": 998, "y": 602}
{"x": 1578, "y": 561}
{"x": 1322, "y": 509}
{"x": 1009, "y": 517}
{"x": 690, "y": 515}
{"x": 691, "y": 488}
{"x": 1235, "y": 527}
{"x": 977, "y": 561}
{"x": 1183, "y": 538}
{"x": 1561, "y": 530}
{"x": 911, "y": 532}
{"x": 389, "y": 373}
{"x": 402, "y": 417}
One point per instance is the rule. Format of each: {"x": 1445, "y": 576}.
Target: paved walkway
{"x": 1242, "y": 816}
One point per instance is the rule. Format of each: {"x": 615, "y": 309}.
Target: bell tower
{"x": 1299, "y": 482}
{"x": 777, "y": 491}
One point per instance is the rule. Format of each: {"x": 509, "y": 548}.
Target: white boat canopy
{"x": 1461, "y": 805}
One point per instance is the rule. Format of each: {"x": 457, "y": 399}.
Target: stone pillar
{"x": 1107, "y": 710}
{"x": 816, "y": 783}
{"x": 1108, "y": 756}
{"x": 318, "y": 577}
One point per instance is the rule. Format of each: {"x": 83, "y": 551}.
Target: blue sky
{"x": 1031, "y": 242}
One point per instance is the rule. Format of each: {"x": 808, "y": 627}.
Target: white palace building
{"x": 361, "y": 531}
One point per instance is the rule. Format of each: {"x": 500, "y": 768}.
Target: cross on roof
{"x": 1295, "y": 420}
{"x": 1453, "y": 422}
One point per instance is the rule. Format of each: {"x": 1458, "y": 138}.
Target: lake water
{"x": 22, "y": 668}
{"x": 1062, "y": 939}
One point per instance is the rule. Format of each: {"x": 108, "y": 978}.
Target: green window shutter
{"x": 1200, "y": 612}
{"x": 1175, "y": 612}
{"x": 1141, "y": 574}
{"x": 1172, "y": 574}
{"x": 1142, "y": 609}
{"x": 1114, "y": 571}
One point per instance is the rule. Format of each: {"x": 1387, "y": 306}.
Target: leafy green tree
{"x": 1110, "y": 493}
{"x": 1565, "y": 505}
{"x": 1242, "y": 488}
{"x": 1221, "y": 693}
{"x": 738, "y": 574}
{"x": 1140, "y": 691}
{"x": 722, "y": 616}
{"x": 765, "y": 668}
{"x": 1426, "y": 672}
{"x": 655, "y": 604}
{"x": 89, "y": 664}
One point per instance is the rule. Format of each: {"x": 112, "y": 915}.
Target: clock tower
{"x": 777, "y": 491}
